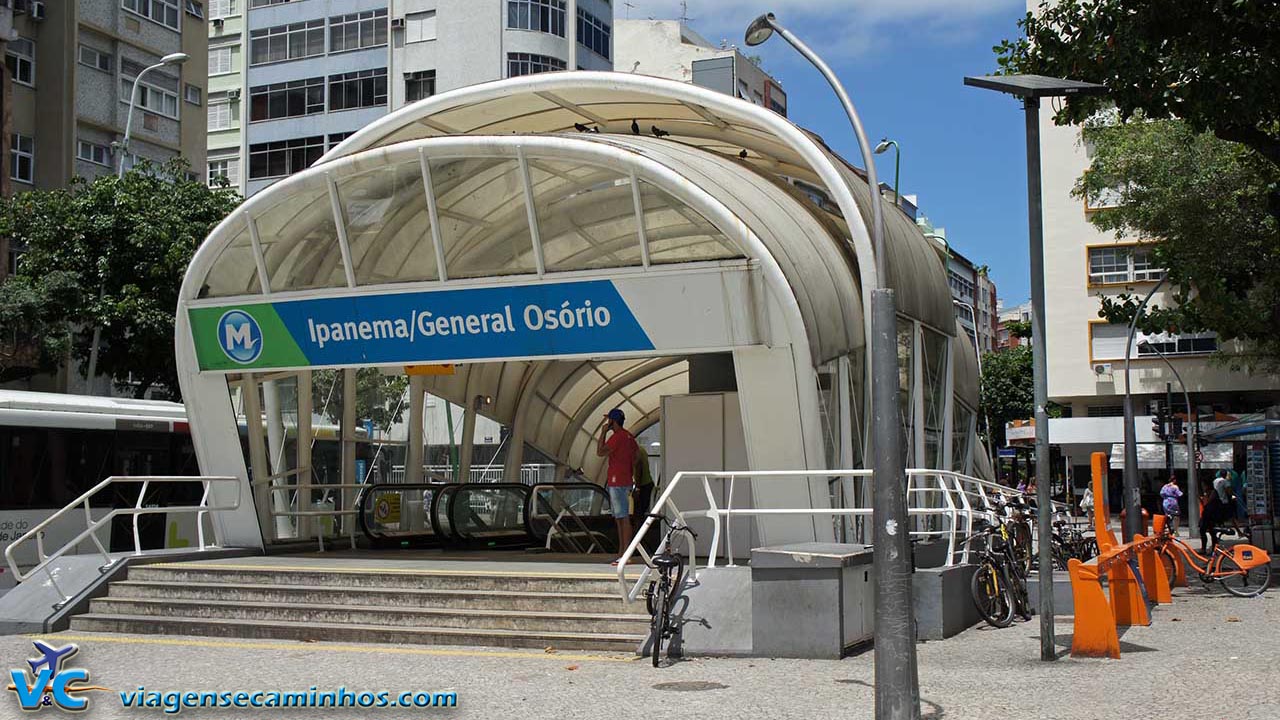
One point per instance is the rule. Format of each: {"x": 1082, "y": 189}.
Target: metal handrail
{"x": 536, "y": 499}
{"x": 37, "y": 533}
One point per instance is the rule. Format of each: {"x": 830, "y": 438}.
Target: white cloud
{"x": 834, "y": 27}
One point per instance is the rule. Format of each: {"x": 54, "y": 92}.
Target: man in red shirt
{"x": 619, "y": 446}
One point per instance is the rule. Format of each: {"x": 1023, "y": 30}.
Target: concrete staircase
{"x": 507, "y": 609}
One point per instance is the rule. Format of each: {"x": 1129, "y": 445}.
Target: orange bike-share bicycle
{"x": 1244, "y": 570}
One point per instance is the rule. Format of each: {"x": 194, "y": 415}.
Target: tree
{"x": 1018, "y": 328}
{"x": 1206, "y": 201}
{"x": 1007, "y": 389}
{"x": 1212, "y": 63}
{"x": 110, "y": 253}
{"x": 379, "y": 397}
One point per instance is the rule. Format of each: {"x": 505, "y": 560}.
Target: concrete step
{"x": 346, "y": 614}
{"x": 313, "y": 631}
{"x": 375, "y": 578}
{"x": 609, "y": 602}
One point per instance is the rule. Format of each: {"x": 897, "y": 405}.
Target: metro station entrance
{"x": 480, "y": 259}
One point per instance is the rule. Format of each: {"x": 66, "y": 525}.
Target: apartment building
{"x": 68, "y": 72}
{"x": 973, "y": 292}
{"x": 296, "y": 77}
{"x": 671, "y": 49}
{"x": 1005, "y": 338}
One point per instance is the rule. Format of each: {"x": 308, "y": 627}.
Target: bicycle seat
{"x": 666, "y": 560}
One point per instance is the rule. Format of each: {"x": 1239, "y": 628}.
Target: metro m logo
{"x": 239, "y": 336}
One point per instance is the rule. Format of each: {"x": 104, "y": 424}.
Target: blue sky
{"x": 963, "y": 149}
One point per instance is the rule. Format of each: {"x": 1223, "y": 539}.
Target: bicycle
{"x": 998, "y": 587}
{"x": 660, "y": 595}
{"x": 1244, "y": 570}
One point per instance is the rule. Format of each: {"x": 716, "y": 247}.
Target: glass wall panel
{"x": 961, "y": 439}
{"x": 300, "y": 241}
{"x": 388, "y": 226}
{"x": 677, "y": 233}
{"x": 906, "y": 387}
{"x": 234, "y": 272}
{"x": 586, "y": 216}
{"x": 933, "y": 347}
{"x": 484, "y": 223}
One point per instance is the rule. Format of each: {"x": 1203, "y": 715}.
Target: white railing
{"x": 45, "y": 559}
{"x": 296, "y": 492}
{"x": 531, "y": 474}
{"x": 940, "y": 505}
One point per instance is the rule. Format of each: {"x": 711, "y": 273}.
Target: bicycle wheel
{"x": 991, "y": 595}
{"x": 1244, "y": 583}
{"x": 1170, "y": 562}
{"x": 1020, "y": 532}
{"x": 658, "y": 619}
{"x": 1017, "y": 584}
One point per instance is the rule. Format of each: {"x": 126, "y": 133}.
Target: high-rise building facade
{"x": 309, "y": 73}
{"x": 68, "y": 73}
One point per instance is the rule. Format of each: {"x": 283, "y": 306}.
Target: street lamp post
{"x": 897, "y": 691}
{"x": 897, "y": 161}
{"x": 122, "y": 148}
{"x": 1193, "y": 483}
{"x": 1030, "y": 88}
{"x": 1132, "y": 492}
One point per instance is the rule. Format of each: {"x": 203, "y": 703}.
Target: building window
{"x": 164, "y": 12}
{"x": 220, "y": 60}
{"x": 360, "y": 89}
{"x": 226, "y": 168}
{"x": 151, "y": 98}
{"x": 96, "y": 154}
{"x": 420, "y": 26}
{"x": 286, "y": 42}
{"x": 358, "y": 30}
{"x": 336, "y": 138}
{"x": 1096, "y": 411}
{"x": 287, "y": 99}
{"x": 20, "y": 58}
{"x": 192, "y": 94}
{"x": 95, "y": 59}
{"x": 527, "y": 64}
{"x": 594, "y": 33}
{"x": 541, "y": 15}
{"x": 419, "y": 85}
{"x": 266, "y": 3}
{"x": 284, "y": 157}
{"x": 1115, "y": 264}
{"x": 1107, "y": 342}
{"x": 22, "y": 158}
{"x": 221, "y": 8}
{"x": 195, "y": 9}
{"x": 222, "y": 115}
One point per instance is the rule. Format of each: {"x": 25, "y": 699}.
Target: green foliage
{"x": 1018, "y": 328}
{"x": 1008, "y": 390}
{"x": 1207, "y": 201}
{"x": 378, "y": 396}
{"x": 1213, "y": 63}
{"x": 109, "y": 253}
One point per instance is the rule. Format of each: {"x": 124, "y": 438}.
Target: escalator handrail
{"x": 369, "y": 491}
{"x": 453, "y": 521}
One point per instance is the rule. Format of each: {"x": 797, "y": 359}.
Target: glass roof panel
{"x": 586, "y": 216}
{"x": 677, "y": 234}
{"x": 234, "y": 272}
{"x": 300, "y": 240}
{"x": 484, "y": 223}
{"x": 388, "y": 226}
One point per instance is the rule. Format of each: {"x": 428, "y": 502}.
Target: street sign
{"x": 1007, "y": 452}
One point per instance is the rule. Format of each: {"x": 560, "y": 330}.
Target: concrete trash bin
{"x": 811, "y": 600}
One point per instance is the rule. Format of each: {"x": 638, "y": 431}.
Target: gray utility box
{"x": 811, "y": 600}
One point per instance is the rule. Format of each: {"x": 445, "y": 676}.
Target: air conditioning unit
{"x": 1101, "y": 369}
{"x": 397, "y": 23}
{"x": 219, "y": 22}
{"x": 233, "y": 94}
{"x": 37, "y": 10}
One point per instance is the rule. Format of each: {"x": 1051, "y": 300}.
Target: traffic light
{"x": 1177, "y": 430}
{"x": 1158, "y": 423}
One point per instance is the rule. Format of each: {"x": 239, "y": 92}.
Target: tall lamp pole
{"x": 1030, "y": 88}
{"x": 897, "y": 163}
{"x": 123, "y": 148}
{"x": 1193, "y": 482}
{"x": 1132, "y": 492}
{"x": 897, "y": 690}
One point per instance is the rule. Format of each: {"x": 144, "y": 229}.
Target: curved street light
{"x": 170, "y": 59}
{"x": 882, "y": 148}
{"x": 1193, "y": 482}
{"x": 897, "y": 691}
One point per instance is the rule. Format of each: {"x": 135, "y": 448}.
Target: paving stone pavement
{"x": 1207, "y": 656}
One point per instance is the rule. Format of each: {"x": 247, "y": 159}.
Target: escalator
{"x": 558, "y": 517}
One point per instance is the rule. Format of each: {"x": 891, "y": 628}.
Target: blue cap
{"x": 617, "y": 416}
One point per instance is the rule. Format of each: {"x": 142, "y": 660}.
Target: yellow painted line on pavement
{"x": 327, "y": 647}
{"x": 392, "y": 571}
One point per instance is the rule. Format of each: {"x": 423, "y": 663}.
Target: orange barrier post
{"x": 1127, "y": 604}
{"x": 1101, "y": 513}
{"x": 1095, "y": 633}
{"x": 1154, "y": 576}
{"x": 1179, "y": 578}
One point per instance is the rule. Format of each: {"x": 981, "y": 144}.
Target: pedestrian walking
{"x": 1170, "y": 494}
